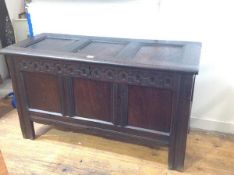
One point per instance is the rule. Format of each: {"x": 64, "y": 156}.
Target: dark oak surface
{"x": 148, "y": 108}
{"x": 164, "y": 55}
{"x": 92, "y": 99}
{"x": 42, "y": 91}
{"x": 132, "y": 90}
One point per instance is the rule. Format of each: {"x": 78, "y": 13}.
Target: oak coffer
{"x": 133, "y": 90}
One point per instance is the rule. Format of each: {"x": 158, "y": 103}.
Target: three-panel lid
{"x": 152, "y": 54}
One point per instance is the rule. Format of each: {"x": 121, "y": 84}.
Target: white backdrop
{"x": 208, "y": 21}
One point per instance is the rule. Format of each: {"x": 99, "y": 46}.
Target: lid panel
{"x": 54, "y": 44}
{"x": 106, "y": 49}
{"x": 159, "y": 53}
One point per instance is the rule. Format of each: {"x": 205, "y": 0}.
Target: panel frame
{"x": 66, "y": 88}
{"x": 180, "y": 86}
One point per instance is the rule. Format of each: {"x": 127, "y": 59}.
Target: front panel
{"x": 93, "y": 99}
{"x": 42, "y": 91}
{"x": 149, "y": 108}
{"x": 139, "y": 103}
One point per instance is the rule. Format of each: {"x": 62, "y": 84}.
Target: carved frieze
{"x": 117, "y": 74}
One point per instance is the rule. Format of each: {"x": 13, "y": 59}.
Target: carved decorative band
{"x": 118, "y": 74}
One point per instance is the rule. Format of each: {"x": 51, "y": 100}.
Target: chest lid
{"x": 152, "y": 54}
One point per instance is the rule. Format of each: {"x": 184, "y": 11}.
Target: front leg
{"x": 26, "y": 124}
{"x": 27, "y": 129}
{"x": 179, "y": 130}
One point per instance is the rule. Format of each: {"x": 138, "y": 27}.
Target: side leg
{"x": 178, "y": 136}
{"x": 26, "y": 124}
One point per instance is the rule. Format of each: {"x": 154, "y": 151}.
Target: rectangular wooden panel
{"x": 149, "y": 108}
{"x": 42, "y": 91}
{"x": 102, "y": 49}
{"x": 53, "y": 44}
{"x": 159, "y": 53}
{"x": 93, "y": 99}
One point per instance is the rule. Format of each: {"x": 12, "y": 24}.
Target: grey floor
{"x": 5, "y": 88}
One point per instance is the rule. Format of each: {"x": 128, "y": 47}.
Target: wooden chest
{"x": 137, "y": 91}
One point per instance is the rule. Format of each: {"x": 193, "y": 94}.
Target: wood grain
{"x": 148, "y": 108}
{"x": 56, "y": 152}
{"x": 93, "y": 99}
{"x": 42, "y": 91}
{"x": 3, "y": 169}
